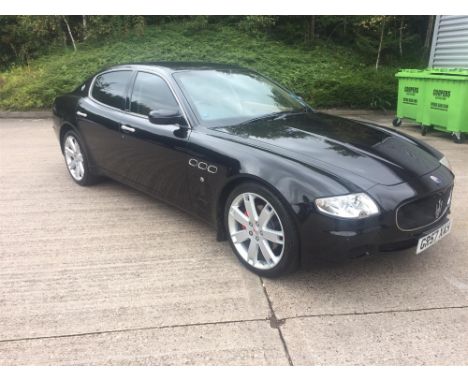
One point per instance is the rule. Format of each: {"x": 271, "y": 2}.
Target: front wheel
{"x": 261, "y": 231}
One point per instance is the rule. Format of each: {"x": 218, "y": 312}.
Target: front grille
{"x": 423, "y": 212}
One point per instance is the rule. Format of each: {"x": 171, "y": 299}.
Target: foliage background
{"x": 332, "y": 61}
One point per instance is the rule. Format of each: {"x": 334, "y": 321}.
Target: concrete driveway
{"x": 107, "y": 275}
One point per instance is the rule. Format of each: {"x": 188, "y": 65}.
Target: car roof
{"x": 174, "y": 66}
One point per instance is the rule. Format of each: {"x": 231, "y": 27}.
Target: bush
{"x": 364, "y": 89}
{"x": 326, "y": 75}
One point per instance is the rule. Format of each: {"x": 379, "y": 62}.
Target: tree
{"x": 376, "y": 35}
{"x": 70, "y": 32}
{"x": 382, "y": 34}
{"x": 400, "y": 38}
{"x": 258, "y": 24}
{"x": 430, "y": 27}
{"x": 380, "y": 39}
{"x": 310, "y": 30}
{"x": 85, "y": 27}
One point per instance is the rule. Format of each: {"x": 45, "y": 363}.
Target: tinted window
{"x": 151, "y": 93}
{"x": 110, "y": 88}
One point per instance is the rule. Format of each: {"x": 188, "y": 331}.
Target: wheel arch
{"x": 66, "y": 126}
{"x": 230, "y": 186}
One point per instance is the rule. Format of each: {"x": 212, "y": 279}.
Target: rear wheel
{"x": 261, "y": 232}
{"x": 76, "y": 160}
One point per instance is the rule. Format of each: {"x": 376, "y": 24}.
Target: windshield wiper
{"x": 275, "y": 115}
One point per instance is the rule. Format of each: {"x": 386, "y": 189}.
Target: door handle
{"x": 81, "y": 114}
{"x": 127, "y": 128}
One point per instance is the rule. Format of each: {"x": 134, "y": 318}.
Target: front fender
{"x": 296, "y": 183}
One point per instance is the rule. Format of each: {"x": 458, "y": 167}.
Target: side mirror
{"x": 303, "y": 102}
{"x": 298, "y": 97}
{"x": 167, "y": 117}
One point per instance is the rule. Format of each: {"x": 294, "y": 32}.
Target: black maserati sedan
{"x": 283, "y": 183}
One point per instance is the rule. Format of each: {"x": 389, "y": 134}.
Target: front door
{"x": 155, "y": 155}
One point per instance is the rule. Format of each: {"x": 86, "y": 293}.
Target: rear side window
{"x": 151, "y": 92}
{"x": 110, "y": 88}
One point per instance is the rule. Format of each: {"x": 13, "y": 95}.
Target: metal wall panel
{"x": 450, "y": 42}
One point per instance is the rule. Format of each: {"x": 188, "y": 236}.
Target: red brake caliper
{"x": 247, "y": 213}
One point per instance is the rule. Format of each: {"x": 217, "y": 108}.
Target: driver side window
{"x": 151, "y": 92}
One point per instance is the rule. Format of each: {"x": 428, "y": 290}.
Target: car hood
{"x": 343, "y": 147}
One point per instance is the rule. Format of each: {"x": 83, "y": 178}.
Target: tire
{"x": 458, "y": 138}
{"x": 273, "y": 233}
{"x": 76, "y": 160}
{"x": 424, "y": 130}
{"x": 396, "y": 122}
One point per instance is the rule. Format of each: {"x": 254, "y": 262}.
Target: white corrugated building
{"x": 450, "y": 42}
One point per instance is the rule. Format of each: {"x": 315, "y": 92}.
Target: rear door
{"x": 100, "y": 116}
{"x": 155, "y": 155}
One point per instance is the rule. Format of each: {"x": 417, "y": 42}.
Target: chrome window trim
{"x": 131, "y": 83}
{"x": 170, "y": 88}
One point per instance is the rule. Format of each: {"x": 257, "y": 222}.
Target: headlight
{"x": 445, "y": 162}
{"x": 352, "y": 206}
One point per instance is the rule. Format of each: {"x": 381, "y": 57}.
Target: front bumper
{"x": 327, "y": 238}
{"x": 347, "y": 244}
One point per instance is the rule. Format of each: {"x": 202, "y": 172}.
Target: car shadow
{"x": 399, "y": 266}
{"x": 378, "y": 266}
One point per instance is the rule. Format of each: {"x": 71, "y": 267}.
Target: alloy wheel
{"x": 256, "y": 231}
{"x": 74, "y": 158}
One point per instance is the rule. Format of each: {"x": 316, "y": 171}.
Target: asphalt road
{"x": 107, "y": 275}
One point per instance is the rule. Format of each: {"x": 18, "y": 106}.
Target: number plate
{"x": 426, "y": 241}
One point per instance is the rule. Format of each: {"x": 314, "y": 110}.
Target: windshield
{"x": 225, "y": 97}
